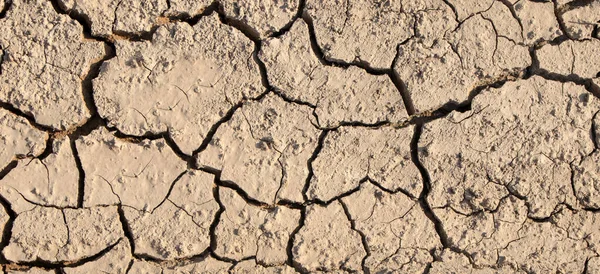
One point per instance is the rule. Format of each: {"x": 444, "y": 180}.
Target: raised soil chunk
{"x": 207, "y": 265}
{"x": 244, "y": 230}
{"x": 137, "y": 175}
{"x": 116, "y": 260}
{"x": 351, "y": 155}
{"x": 45, "y": 59}
{"x": 398, "y": 233}
{"x": 117, "y": 16}
{"x": 456, "y": 62}
{"x": 571, "y": 57}
{"x": 340, "y": 95}
{"x": 360, "y": 31}
{"x": 582, "y": 21}
{"x": 145, "y": 267}
{"x": 327, "y": 241}
{"x": 520, "y": 139}
{"x": 264, "y": 149}
{"x": 263, "y": 17}
{"x": 538, "y": 20}
{"x": 250, "y": 267}
{"x": 453, "y": 262}
{"x": 52, "y": 181}
{"x": 179, "y": 227}
{"x": 32, "y": 270}
{"x": 18, "y": 138}
{"x": 182, "y": 82}
{"x": 55, "y": 235}
{"x": 508, "y": 238}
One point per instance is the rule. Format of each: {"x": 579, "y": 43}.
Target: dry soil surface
{"x": 300, "y": 136}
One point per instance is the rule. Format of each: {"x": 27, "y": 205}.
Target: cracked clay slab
{"x": 45, "y": 60}
{"x": 182, "y": 82}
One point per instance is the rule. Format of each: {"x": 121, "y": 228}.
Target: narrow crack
{"x": 4, "y": 10}
{"x": 59, "y": 264}
{"x": 288, "y": 26}
{"x": 363, "y": 237}
{"x": 290, "y": 245}
{"x": 310, "y": 161}
{"x": 423, "y": 202}
{"x": 7, "y": 230}
{"x": 81, "y": 185}
{"x": 126, "y": 228}
{"x": 215, "y": 223}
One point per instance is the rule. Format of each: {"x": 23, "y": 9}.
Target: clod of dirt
{"x": 264, "y": 149}
{"x": 144, "y": 267}
{"x": 32, "y": 270}
{"x": 571, "y": 58}
{"x": 244, "y": 231}
{"x": 45, "y": 61}
{"x": 360, "y": 30}
{"x": 398, "y": 234}
{"x": 327, "y": 241}
{"x": 352, "y": 154}
{"x": 182, "y": 82}
{"x": 538, "y": 20}
{"x": 116, "y": 260}
{"x": 52, "y": 181}
{"x": 508, "y": 238}
{"x": 457, "y": 61}
{"x": 518, "y": 139}
{"x": 120, "y": 16}
{"x": 453, "y": 262}
{"x": 260, "y": 17}
{"x": 179, "y": 227}
{"x": 250, "y": 266}
{"x": 18, "y": 138}
{"x": 137, "y": 175}
{"x": 581, "y": 21}
{"x": 340, "y": 95}
{"x": 205, "y": 265}
{"x": 58, "y": 235}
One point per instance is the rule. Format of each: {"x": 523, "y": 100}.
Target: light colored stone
{"x": 245, "y": 230}
{"x": 179, "y": 227}
{"x": 520, "y": 138}
{"x": 45, "y": 60}
{"x": 352, "y": 154}
{"x": 341, "y": 95}
{"x": 182, "y": 82}
{"x": 398, "y": 234}
{"x": 264, "y": 149}
{"x": 18, "y": 138}
{"x": 53, "y": 181}
{"x": 327, "y": 241}
{"x": 136, "y": 175}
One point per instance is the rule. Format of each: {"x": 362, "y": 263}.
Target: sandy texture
{"x": 289, "y": 136}
{"x": 45, "y": 58}
{"x": 182, "y": 82}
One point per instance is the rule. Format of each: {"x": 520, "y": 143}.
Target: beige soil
{"x": 300, "y": 136}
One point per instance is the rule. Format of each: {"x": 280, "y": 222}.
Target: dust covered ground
{"x": 300, "y": 136}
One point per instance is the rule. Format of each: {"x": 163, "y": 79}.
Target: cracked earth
{"x": 300, "y": 136}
